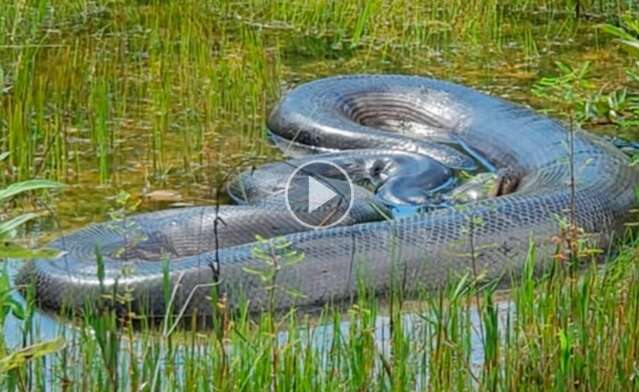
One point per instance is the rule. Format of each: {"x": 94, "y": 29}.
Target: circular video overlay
{"x": 319, "y": 194}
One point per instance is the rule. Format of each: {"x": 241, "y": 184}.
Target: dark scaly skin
{"x": 426, "y": 250}
{"x": 398, "y": 177}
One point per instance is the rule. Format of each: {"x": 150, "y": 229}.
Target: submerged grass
{"x": 130, "y": 79}
{"x": 135, "y": 96}
{"x": 565, "y": 331}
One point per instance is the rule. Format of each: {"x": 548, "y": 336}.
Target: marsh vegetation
{"x": 142, "y": 105}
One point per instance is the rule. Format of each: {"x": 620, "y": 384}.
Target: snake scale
{"x": 369, "y": 115}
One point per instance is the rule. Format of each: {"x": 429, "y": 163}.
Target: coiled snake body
{"x": 403, "y": 116}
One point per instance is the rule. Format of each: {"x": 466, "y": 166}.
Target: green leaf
{"x": 253, "y": 271}
{"x": 19, "y": 358}
{"x": 9, "y": 250}
{"x": 633, "y": 44}
{"x": 16, "y": 308}
{"x": 25, "y": 186}
{"x": 13, "y": 223}
{"x": 5, "y": 284}
{"x": 617, "y": 32}
{"x": 294, "y": 293}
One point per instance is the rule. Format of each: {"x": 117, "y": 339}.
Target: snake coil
{"x": 384, "y": 115}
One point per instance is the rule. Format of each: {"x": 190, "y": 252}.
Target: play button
{"x": 319, "y": 194}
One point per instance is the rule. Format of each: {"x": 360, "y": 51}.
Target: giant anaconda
{"x": 403, "y": 116}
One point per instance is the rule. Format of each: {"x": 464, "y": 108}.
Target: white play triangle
{"x": 318, "y": 194}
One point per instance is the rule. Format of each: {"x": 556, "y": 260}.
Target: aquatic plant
{"x": 137, "y": 96}
{"x": 11, "y": 360}
{"x": 562, "y": 330}
{"x": 9, "y": 225}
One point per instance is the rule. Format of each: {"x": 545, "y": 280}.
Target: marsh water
{"x": 136, "y": 110}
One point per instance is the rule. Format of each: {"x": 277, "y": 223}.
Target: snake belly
{"x": 407, "y": 114}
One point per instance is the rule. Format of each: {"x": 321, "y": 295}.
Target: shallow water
{"x": 236, "y": 141}
{"x": 191, "y": 149}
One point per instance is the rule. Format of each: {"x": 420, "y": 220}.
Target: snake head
{"x": 414, "y": 190}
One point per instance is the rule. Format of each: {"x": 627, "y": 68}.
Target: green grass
{"x": 572, "y": 329}
{"x": 130, "y": 96}
{"x": 122, "y": 76}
